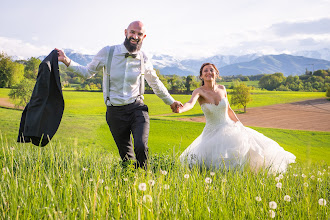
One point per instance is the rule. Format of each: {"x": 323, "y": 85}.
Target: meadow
{"x": 79, "y": 174}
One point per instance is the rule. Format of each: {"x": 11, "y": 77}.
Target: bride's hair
{"x": 201, "y": 70}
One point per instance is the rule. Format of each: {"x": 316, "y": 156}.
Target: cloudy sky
{"x": 182, "y": 28}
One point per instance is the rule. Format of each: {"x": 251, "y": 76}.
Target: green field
{"x": 79, "y": 176}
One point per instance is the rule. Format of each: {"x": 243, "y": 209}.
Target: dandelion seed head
{"x": 295, "y": 175}
{"x": 277, "y": 179}
{"x": 142, "y": 186}
{"x": 186, "y": 176}
{"x": 271, "y": 214}
{"x": 303, "y": 176}
{"x": 166, "y": 186}
{"x": 279, "y": 185}
{"x": 287, "y": 198}
{"x": 272, "y": 205}
{"x": 101, "y": 181}
{"x": 280, "y": 176}
{"x": 224, "y": 180}
{"x": 106, "y": 188}
{"x": 164, "y": 172}
{"x": 319, "y": 179}
{"x": 322, "y": 202}
{"x": 212, "y": 173}
{"x": 91, "y": 180}
{"x": 85, "y": 169}
{"x": 306, "y": 184}
{"x": 147, "y": 198}
{"x": 12, "y": 148}
{"x": 258, "y": 199}
{"x": 208, "y": 180}
{"x": 125, "y": 179}
{"x": 312, "y": 177}
{"x": 151, "y": 182}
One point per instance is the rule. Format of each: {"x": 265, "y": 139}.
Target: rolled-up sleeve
{"x": 157, "y": 85}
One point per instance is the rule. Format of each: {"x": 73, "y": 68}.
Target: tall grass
{"x": 61, "y": 182}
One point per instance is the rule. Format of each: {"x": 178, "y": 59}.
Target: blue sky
{"x": 181, "y": 28}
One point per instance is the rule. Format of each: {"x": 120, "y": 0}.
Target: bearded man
{"x": 124, "y": 68}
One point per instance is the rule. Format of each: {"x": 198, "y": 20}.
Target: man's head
{"x": 134, "y": 35}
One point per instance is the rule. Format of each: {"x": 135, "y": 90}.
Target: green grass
{"x": 79, "y": 176}
{"x": 62, "y": 182}
{"x": 248, "y": 83}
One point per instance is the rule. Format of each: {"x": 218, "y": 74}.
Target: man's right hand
{"x": 62, "y": 57}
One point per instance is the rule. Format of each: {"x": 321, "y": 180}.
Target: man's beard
{"x": 132, "y": 47}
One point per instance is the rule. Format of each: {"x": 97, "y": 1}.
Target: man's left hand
{"x": 175, "y": 105}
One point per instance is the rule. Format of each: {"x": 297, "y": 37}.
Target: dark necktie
{"x": 130, "y": 55}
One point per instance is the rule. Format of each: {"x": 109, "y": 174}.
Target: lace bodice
{"x": 216, "y": 114}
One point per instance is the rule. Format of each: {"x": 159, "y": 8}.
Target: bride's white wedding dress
{"x": 226, "y": 144}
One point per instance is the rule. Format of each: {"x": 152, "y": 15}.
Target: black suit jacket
{"x": 42, "y": 115}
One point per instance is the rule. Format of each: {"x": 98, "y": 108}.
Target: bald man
{"x": 124, "y": 68}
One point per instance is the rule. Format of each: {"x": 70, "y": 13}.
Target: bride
{"x": 225, "y": 142}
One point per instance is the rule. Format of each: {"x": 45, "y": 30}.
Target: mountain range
{"x": 249, "y": 64}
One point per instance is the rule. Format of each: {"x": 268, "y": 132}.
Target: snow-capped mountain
{"x": 249, "y": 64}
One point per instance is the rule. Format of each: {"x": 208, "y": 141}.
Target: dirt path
{"x": 311, "y": 115}
{"x": 4, "y": 102}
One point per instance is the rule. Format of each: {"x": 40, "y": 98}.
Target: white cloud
{"x": 21, "y": 49}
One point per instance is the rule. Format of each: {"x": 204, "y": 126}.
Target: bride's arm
{"x": 231, "y": 113}
{"x": 191, "y": 103}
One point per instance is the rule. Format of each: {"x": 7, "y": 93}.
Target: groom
{"x": 124, "y": 68}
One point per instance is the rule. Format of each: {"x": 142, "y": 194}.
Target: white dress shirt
{"x": 124, "y": 75}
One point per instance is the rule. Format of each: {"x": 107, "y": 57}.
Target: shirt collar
{"x": 124, "y": 50}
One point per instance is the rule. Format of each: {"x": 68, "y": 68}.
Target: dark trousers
{"x": 127, "y": 121}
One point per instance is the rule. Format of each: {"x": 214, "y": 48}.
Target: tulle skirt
{"x": 232, "y": 145}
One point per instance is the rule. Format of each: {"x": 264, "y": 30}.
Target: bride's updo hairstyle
{"x": 201, "y": 70}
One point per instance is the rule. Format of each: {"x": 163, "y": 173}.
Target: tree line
{"x": 20, "y": 76}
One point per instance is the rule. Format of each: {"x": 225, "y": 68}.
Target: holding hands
{"x": 175, "y": 106}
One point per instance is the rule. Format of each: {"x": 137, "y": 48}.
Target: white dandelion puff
{"x": 147, "y": 198}
{"x": 151, "y": 182}
{"x": 322, "y": 202}
{"x": 101, "y": 181}
{"x": 164, "y": 172}
{"x": 142, "y": 186}
{"x": 277, "y": 179}
{"x": 271, "y": 214}
{"x": 303, "y": 176}
{"x": 279, "y": 185}
{"x": 306, "y": 184}
{"x": 212, "y": 173}
{"x": 166, "y": 186}
{"x": 272, "y": 205}
{"x": 287, "y": 198}
{"x": 208, "y": 180}
{"x": 224, "y": 180}
{"x": 319, "y": 179}
{"x": 295, "y": 175}
{"x": 125, "y": 179}
{"x": 258, "y": 199}
{"x": 85, "y": 169}
{"x": 106, "y": 187}
{"x": 281, "y": 176}
{"x": 186, "y": 176}
{"x": 312, "y": 177}
{"x": 91, "y": 180}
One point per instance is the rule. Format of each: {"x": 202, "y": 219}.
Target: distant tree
{"x": 188, "y": 82}
{"x": 21, "y": 92}
{"x": 11, "y": 72}
{"x": 328, "y": 92}
{"x": 241, "y": 95}
{"x": 271, "y": 81}
{"x": 31, "y": 68}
